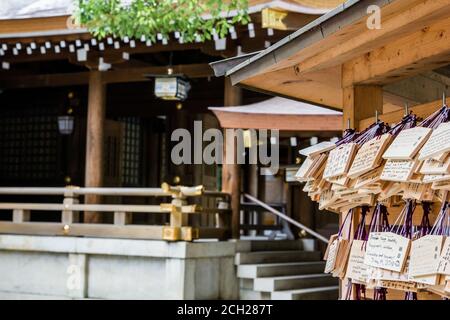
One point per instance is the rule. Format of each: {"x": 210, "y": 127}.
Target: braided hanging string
{"x": 379, "y": 223}
{"x": 442, "y": 225}
{"x": 406, "y": 229}
{"x": 350, "y": 135}
{"x": 361, "y": 234}
{"x": 425, "y": 225}
{"x": 375, "y": 130}
{"x": 408, "y": 122}
{"x": 440, "y": 116}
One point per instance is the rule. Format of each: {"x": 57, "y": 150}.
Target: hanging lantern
{"x": 66, "y": 123}
{"x": 170, "y": 86}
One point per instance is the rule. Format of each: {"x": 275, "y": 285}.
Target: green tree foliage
{"x": 194, "y": 20}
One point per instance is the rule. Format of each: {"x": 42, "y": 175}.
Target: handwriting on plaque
{"x": 425, "y": 255}
{"x": 398, "y": 170}
{"x": 339, "y": 160}
{"x": 431, "y": 166}
{"x": 356, "y": 269}
{"x": 369, "y": 156}
{"x": 369, "y": 178}
{"x": 438, "y": 143}
{"x": 318, "y": 148}
{"x": 444, "y": 259}
{"x": 332, "y": 255}
{"x": 407, "y": 144}
{"x": 387, "y": 250}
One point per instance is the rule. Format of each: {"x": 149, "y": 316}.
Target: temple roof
{"x": 22, "y": 9}
{"x": 281, "y": 106}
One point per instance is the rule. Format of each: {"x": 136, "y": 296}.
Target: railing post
{"x": 223, "y": 220}
{"x": 68, "y": 216}
{"x": 122, "y": 218}
{"x": 20, "y": 215}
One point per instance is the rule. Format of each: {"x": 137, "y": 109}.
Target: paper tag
{"x": 339, "y": 160}
{"x": 369, "y": 156}
{"x": 407, "y": 143}
{"x": 438, "y": 143}
{"x": 356, "y": 269}
{"x": 398, "y": 170}
{"x": 444, "y": 259}
{"x": 425, "y": 255}
{"x": 387, "y": 250}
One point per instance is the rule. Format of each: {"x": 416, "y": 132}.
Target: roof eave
{"x": 319, "y": 29}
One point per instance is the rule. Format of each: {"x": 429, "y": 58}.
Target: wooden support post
{"x": 95, "y": 140}
{"x": 231, "y": 173}
{"x": 359, "y": 102}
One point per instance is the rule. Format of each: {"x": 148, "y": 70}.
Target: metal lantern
{"x": 66, "y": 124}
{"x": 172, "y": 87}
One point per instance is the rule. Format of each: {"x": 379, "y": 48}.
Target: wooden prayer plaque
{"x": 408, "y": 142}
{"x": 369, "y": 156}
{"x": 425, "y": 255}
{"x": 330, "y": 242}
{"x": 332, "y": 255}
{"x": 356, "y": 269}
{"x": 387, "y": 250}
{"x": 318, "y": 149}
{"x": 431, "y": 166}
{"x": 438, "y": 143}
{"x": 444, "y": 259}
{"x": 305, "y": 168}
{"x": 398, "y": 170}
{"x": 339, "y": 160}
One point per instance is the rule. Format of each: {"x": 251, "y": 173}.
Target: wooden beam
{"x": 34, "y": 24}
{"x": 237, "y": 120}
{"x": 423, "y": 50}
{"x": 200, "y": 70}
{"x": 231, "y": 173}
{"x": 403, "y": 22}
{"x": 422, "y": 111}
{"x": 321, "y": 88}
{"x": 95, "y": 140}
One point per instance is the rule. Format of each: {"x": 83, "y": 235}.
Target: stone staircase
{"x": 283, "y": 270}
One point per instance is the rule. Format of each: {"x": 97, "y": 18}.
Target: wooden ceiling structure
{"x": 338, "y": 62}
{"x": 326, "y": 60}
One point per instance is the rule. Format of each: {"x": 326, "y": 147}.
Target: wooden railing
{"x": 69, "y": 224}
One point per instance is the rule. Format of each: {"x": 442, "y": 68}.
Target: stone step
{"x": 247, "y": 294}
{"x": 271, "y": 284}
{"x": 279, "y": 269}
{"x": 319, "y": 293}
{"x": 276, "y": 257}
{"x": 275, "y": 245}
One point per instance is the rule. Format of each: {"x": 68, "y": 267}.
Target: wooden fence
{"x": 69, "y": 210}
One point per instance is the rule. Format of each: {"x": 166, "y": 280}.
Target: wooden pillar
{"x": 231, "y": 173}
{"x": 359, "y": 102}
{"x": 95, "y": 140}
